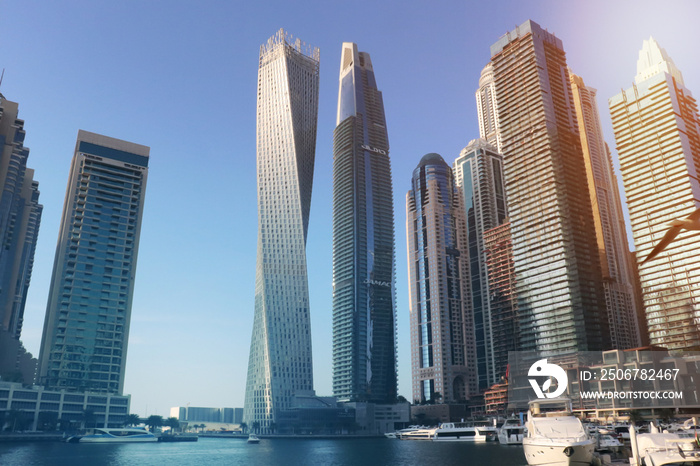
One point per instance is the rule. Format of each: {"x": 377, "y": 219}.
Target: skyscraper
{"x": 86, "y": 329}
{"x": 558, "y": 275}
{"x": 657, "y": 131}
{"x": 505, "y": 321}
{"x": 487, "y": 108}
{"x": 280, "y": 363}
{"x": 20, "y": 216}
{"x": 364, "y": 355}
{"x": 478, "y": 175}
{"x": 608, "y": 220}
{"x": 442, "y": 335}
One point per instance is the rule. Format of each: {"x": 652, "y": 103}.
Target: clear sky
{"x": 181, "y": 76}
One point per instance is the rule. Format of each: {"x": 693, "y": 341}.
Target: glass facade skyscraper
{"x": 86, "y": 330}
{"x": 442, "y": 334}
{"x": 478, "y": 173}
{"x": 20, "y": 216}
{"x": 280, "y": 363}
{"x": 657, "y": 131}
{"x": 558, "y": 274}
{"x": 364, "y": 354}
{"x": 608, "y": 220}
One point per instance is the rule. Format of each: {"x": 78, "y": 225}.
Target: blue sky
{"x": 180, "y": 76}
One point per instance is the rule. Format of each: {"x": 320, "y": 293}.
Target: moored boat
{"x": 662, "y": 449}
{"x": 511, "y": 432}
{"x": 555, "y": 437}
{"x": 112, "y": 435}
{"x": 252, "y": 438}
{"x": 464, "y": 432}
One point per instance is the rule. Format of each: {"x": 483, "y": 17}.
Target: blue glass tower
{"x": 364, "y": 336}
{"x": 86, "y": 329}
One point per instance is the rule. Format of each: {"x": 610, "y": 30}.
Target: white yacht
{"x": 464, "y": 432}
{"x": 109, "y": 435}
{"x": 662, "y": 449}
{"x": 398, "y": 433}
{"x": 554, "y": 436}
{"x": 511, "y": 432}
{"x": 606, "y": 442}
{"x": 252, "y": 438}
{"x": 422, "y": 433}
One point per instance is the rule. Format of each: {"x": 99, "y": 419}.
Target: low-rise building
{"x": 32, "y": 407}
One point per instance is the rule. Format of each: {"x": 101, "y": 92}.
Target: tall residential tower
{"x": 280, "y": 363}
{"x": 478, "y": 175}
{"x": 20, "y": 215}
{"x": 657, "y": 130}
{"x": 559, "y": 285}
{"x": 442, "y": 334}
{"x": 608, "y": 220}
{"x": 86, "y": 330}
{"x": 364, "y": 354}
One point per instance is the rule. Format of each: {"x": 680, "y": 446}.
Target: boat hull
{"x": 91, "y": 439}
{"x": 558, "y": 454}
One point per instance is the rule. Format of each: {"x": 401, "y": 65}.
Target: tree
{"x": 48, "y": 420}
{"x": 89, "y": 418}
{"x": 173, "y": 423}
{"x": 401, "y": 399}
{"x": 437, "y": 396}
{"x": 132, "y": 420}
{"x": 256, "y": 426}
{"x": 244, "y": 427}
{"x": 273, "y": 427}
{"x": 154, "y": 421}
{"x": 15, "y": 420}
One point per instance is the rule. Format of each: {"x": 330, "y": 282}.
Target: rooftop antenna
{"x": 2, "y": 76}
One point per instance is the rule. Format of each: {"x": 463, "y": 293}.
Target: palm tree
{"x": 244, "y": 427}
{"x": 256, "y": 426}
{"x": 173, "y": 423}
{"x": 154, "y": 421}
{"x": 132, "y": 420}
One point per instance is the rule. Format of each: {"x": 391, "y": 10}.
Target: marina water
{"x": 288, "y": 452}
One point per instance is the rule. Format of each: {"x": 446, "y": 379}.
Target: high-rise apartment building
{"x": 442, "y": 335}
{"x": 487, "y": 108}
{"x": 657, "y": 132}
{"x": 505, "y": 322}
{"x": 86, "y": 330}
{"x": 364, "y": 323}
{"x": 558, "y": 274}
{"x": 608, "y": 220}
{"x": 478, "y": 173}
{"x": 280, "y": 363}
{"x": 20, "y": 216}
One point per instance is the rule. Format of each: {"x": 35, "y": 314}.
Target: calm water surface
{"x": 268, "y": 452}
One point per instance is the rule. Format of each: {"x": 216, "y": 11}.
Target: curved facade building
{"x": 442, "y": 336}
{"x": 280, "y": 364}
{"x": 364, "y": 355}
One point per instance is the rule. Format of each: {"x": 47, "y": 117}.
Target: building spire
{"x": 653, "y": 60}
